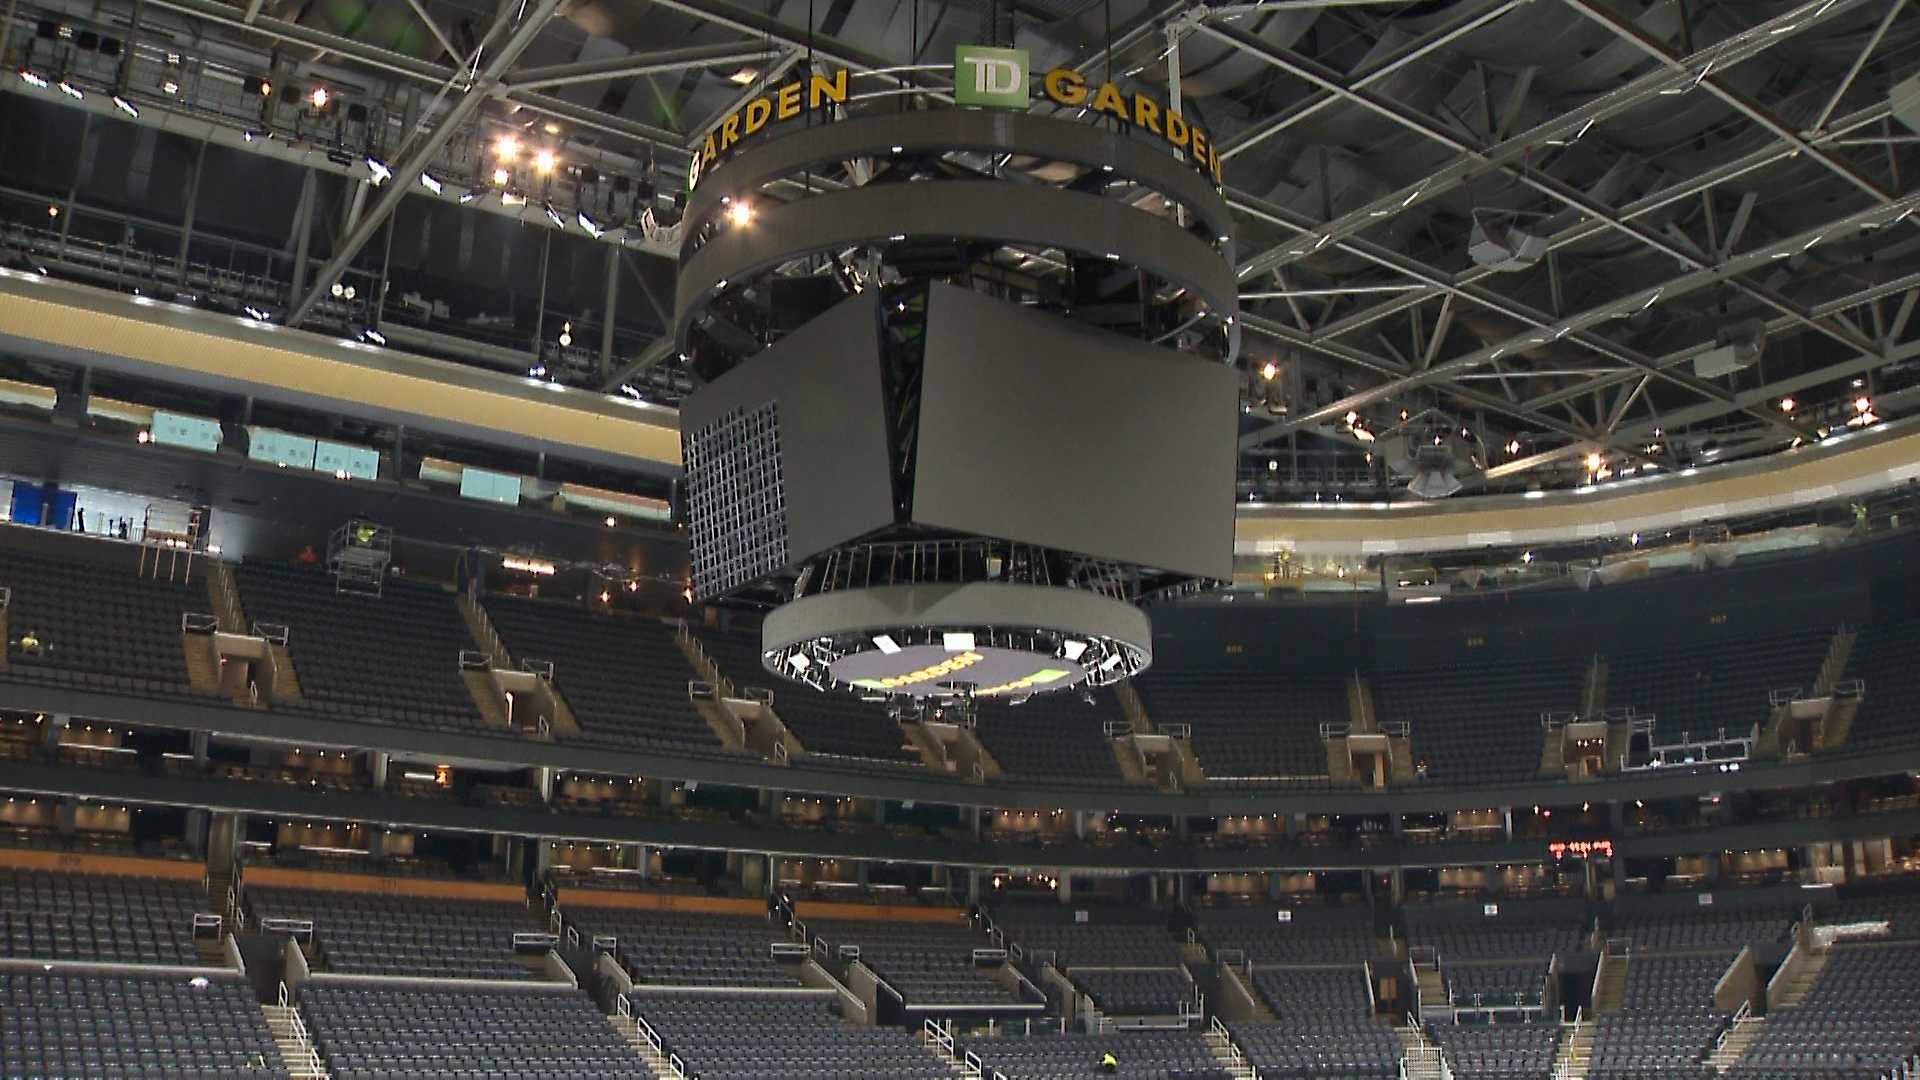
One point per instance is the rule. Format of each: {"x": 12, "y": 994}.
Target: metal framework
{"x": 1371, "y": 293}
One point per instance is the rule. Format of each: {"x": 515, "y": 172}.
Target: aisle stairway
{"x": 1744, "y": 1031}
{"x": 289, "y": 1034}
{"x": 1574, "y": 1051}
{"x": 1424, "y": 1060}
{"x": 1232, "y": 1062}
{"x": 629, "y": 1029}
{"x": 1612, "y": 985}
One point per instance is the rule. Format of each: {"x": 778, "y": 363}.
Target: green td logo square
{"x": 989, "y": 78}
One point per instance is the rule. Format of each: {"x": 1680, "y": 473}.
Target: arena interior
{"x": 924, "y": 539}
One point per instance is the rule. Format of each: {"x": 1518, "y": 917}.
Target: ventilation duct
{"x": 1735, "y": 347}
{"x": 1502, "y": 245}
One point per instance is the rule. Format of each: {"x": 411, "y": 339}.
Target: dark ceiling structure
{"x": 1557, "y": 241}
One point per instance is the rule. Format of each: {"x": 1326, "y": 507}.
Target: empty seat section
{"x": 1323, "y": 1026}
{"x": 1478, "y": 721}
{"x": 1900, "y": 911}
{"x": 1253, "y": 726}
{"x": 109, "y": 1027}
{"x": 928, "y": 963}
{"x": 1704, "y": 929}
{"x": 1493, "y": 984}
{"x": 1882, "y": 658}
{"x": 835, "y": 724}
{"x": 394, "y": 657}
{"x": 1112, "y": 939}
{"x": 51, "y": 915}
{"x": 623, "y": 676}
{"x": 377, "y": 1033}
{"x": 681, "y": 949}
{"x": 1715, "y": 679}
{"x": 1136, "y": 991}
{"x": 1529, "y": 928}
{"x": 100, "y": 624}
{"x": 780, "y": 1037}
{"x": 1143, "y": 1055}
{"x": 1497, "y": 1051}
{"x": 369, "y": 934}
{"x": 1667, "y": 1021}
{"x": 1310, "y": 935}
{"x": 1057, "y": 736}
{"x": 1860, "y": 1019}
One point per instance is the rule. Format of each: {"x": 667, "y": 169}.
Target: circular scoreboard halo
{"x": 973, "y": 640}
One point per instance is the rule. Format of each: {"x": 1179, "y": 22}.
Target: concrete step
{"x": 296, "y": 1053}
{"x": 629, "y": 1030}
{"x": 1735, "y": 1045}
{"x": 286, "y": 681}
{"x": 1231, "y": 1061}
{"x": 486, "y": 698}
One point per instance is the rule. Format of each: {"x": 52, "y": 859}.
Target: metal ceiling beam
{"x": 1631, "y": 34}
{"x": 1680, "y": 356}
{"x": 1489, "y": 402}
{"x": 439, "y": 35}
{"x": 1366, "y": 75}
{"x": 781, "y": 65}
{"x": 1694, "y": 414}
{"x": 1681, "y": 190}
{"x": 1640, "y": 300}
{"x": 406, "y": 175}
{"x": 1329, "y": 81}
{"x": 641, "y": 63}
{"x": 1859, "y": 62}
{"x": 654, "y": 354}
{"x": 1740, "y": 47}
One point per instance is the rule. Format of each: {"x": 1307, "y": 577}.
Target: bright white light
{"x": 799, "y": 662}
{"x": 566, "y": 339}
{"x": 375, "y": 336}
{"x": 1594, "y": 461}
{"x": 1072, "y": 649}
{"x": 1270, "y": 370}
{"x": 71, "y": 90}
{"x": 886, "y": 644}
{"x": 319, "y": 97}
{"x": 1113, "y": 660}
{"x": 544, "y": 162}
{"x": 337, "y": 290}
{"x": 427, "y": 181}
{"x": 33, "y": 79}
{"x": 125, "y": 106}
{"x": 956, "y": 641}
{"x": 740, "y": 212}
{"x": 506, "y": 148}
{"x": 381, "y": 174}
{"x": 1424, "y": 599}
{"x": 586, "y": 223}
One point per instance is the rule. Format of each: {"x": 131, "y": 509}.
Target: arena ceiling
{"x": 1572, "y": 240}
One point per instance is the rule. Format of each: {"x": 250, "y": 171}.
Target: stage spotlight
{"x": 544, "y": 162}
{"x": 381, "y": 173}
{"x": 500, "y": 177}
{"x": 506, "y": 148}
{"x": 1269, "y": 371}
{"x": 427, "y": 181}
{"x": 337, "y": 290}
{"x": 1787, "y": 404}
{"x": 320, "y": 98}
{"x": 32, "y": 78}
{"x": 740, "y": 212}
{"x": 1594, "y": 461}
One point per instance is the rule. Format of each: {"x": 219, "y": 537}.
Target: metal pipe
{"x": 406, "y": 175}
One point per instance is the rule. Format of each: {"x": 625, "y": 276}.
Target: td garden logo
{"x": 984, "y": 77}
{"x": 988, "y": 78}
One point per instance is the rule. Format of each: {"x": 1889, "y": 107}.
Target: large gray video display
{"x": 786, "y": 455}
{"x": 1038, "y": 430}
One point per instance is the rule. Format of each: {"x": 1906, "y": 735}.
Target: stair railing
{"x": 298, "y": 1027}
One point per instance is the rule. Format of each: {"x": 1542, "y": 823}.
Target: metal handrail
{"x": 272, "y": 633}
{"x": 198, "y": 622}
{"x": 310, "y": 1056}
